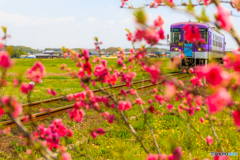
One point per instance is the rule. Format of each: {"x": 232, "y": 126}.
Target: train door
{"x": 188, "y": 49}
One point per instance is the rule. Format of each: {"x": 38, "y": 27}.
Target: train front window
{"x": 175, "y": 35}
{"x": 204, "y": 34}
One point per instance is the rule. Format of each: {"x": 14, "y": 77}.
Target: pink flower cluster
{"x": 176, "y": 155}
{"x": 11, "y": 105}
{"x": 5, "y": 61}
{"x": 124, "y": 105}
{"x": 151, "y": 34}
{"x": 217, "y": 101}
{"x": 214, "y": 74}
{"x": 154, "y": 71}
{"x": 26, "y": 88}
{"x": 36, "y": 73}
{"x": 192, "y": 34}
{"x": 127, "y": 77}
{"x": 53, "y": 133}
{"x": 52, "y": 92}
{"x": 108, "y": 117}
{"x": 97, "y": 132}
{"x": 224, "y": 18}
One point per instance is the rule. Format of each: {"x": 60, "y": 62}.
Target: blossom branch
{"x": 150, "y": 128}
{"x": 214, "y": 131}
{"x": 44, "y": 151}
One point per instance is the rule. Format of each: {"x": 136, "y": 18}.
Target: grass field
{"x": 118, "y": 142}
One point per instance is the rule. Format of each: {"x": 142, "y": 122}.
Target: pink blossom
{"x": 213, "y": 73}
{"x": 132, "y": 91}
{"x": 152, "y": 157}
{"x": 192, "y": 33}
{"x": 5, "y": 61}
{"x": 182, "y": 56}
{"x": 236, "y": 117}
{"x": 123, "y": 92}
{"x": 15, "y": 82}
{"x": 94, "y": 134}
{"x": 120, "y": 61}
{"x": 1, "y": 45}
{"x": 129, "y": 36}
{"x": 221, "y": 157}
{"x": 209, "y": 139}
{"x": 199, "y": 101}
{"x": 159, "y": 98}
{"x": 124, "y": 105}
{"x": 170, "y": 91}
{"x": 218, "y": 100}
{"x": 26, "y": 88}
{"x": 202, "y": 119}
{"x": 2, "y": 112}
{"x": 36, "y": 73}
{"x": 28, "y": 151}
{"x": 154, "y": 72}
{"x": 139, "y": 101}
{"x": 169, "y": 107}
{"x": 70, "y": 133}
{"x": 100, "y": 70}
{"x": 224, "y": 18}
{"x": 151, "y": 109}
{"x": 150, "y": 101}
{"x": 154, "y": 90}
{"x": 52, "y": 92}
{"x": 70, "y": 97}
{"x": 206, "y": 2}
{"x": 66, "y": 156}
{"x": 93, "y": 83}
{"x": 158, "y": 22}
{"x": 177, "y": 153}
{"x": 191, "y": 70}
{"x": 76, "y": 114}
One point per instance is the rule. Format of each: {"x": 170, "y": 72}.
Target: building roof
{"x": 31, "y": 56}
{"x": 49, "y": 51}
{"x": 42, "y": 54}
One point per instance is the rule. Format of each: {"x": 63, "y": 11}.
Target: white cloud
{"x": 126, "y": 20}
{"x": 20, "y": 20}
{"x": 92, "y": 19}
{"x": 111, "y": 7}
{"x": 111, "y": 21}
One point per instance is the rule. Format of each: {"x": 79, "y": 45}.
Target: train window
{"x": 176, "y": 35}
{"x": 204, "y": 34}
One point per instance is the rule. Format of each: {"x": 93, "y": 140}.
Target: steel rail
{"x": 43, "y": 115}
{"x": 37, "y": 103}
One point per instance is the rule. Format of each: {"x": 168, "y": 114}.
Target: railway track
{"x": 43, "y": 115}
{"x": 64, "y": 98}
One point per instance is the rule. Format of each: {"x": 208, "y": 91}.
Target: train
{"x": 196, "y": 54}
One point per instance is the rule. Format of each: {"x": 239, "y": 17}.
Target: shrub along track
{"x": 46, "y": 114}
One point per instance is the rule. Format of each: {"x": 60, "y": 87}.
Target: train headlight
{"x": 201, "y": 49}
{"x": 176, "y": 49}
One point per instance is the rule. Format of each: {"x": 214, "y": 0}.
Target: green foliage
{"x": 204, "y": 17}
{"x": 4, "y": 30}
{"x": 26, "y": 49}
{"x": 141, "y": 16}
{"x": 190, "y": 6}
{"x": 15, "y": 52}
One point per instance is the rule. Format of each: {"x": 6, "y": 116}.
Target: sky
{"x": 43, "y": 24}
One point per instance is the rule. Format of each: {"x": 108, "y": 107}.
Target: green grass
{"x": 119, "y": 142}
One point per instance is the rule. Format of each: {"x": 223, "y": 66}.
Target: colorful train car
{"x": 196, "y": 54}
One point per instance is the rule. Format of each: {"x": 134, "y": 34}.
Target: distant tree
{"x": 15, "y": 53}
{"x": 111, "y": 50}
{"x": 127, "y": 50}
